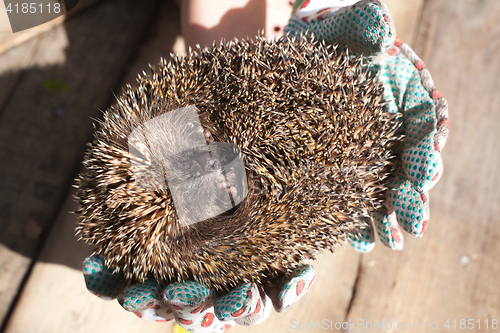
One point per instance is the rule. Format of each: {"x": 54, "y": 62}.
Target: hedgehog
{"x": 306, "y": 120}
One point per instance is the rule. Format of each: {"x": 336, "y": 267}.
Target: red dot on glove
{"x": 424, "y": 226}
{"x": 420, "y": 65}
{"x": 300, "y": 287}
{"x": 257, "y": 309}
{"x": 392, "y": 52}
{"x": 435, "y": 94}
{"x": 198, "y": 309}
{"x": 395, "y": 235}
{"x": 444, "y": 122}
{"x": 239, "y": 312}
{"x": 305, "y": 4}
{"x": 184, "y": 321}
{"x": 208, "y": 319}
{"x": 310, "y": 283}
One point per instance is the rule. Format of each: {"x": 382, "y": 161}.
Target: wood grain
{"x": 12, "y": 269}
{"x": 12, "y": 64}
{"x": 406, "y": 15}
{"x": 451, "y": 272}
{"x": 55, "y": 297}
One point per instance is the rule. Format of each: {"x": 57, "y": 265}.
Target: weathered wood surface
{"x": 426, "y": 281}
{"x": 8, "y": 40}
{"x": 44, "y": 128}
{"x": 55, "y": 298}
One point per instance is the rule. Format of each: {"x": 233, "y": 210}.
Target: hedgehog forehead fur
{"x": 317, "y": 144}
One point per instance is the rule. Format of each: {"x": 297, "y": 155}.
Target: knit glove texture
{"x": 194, "y": 306}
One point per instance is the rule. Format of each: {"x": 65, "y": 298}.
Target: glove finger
{"x": 410, "y": 207}
{"x": 261, "y": 313}
{"x": 244, "y": 304}
{"x": 387, "y": 229}
{"x": 422, "y": 162}
{"x": 425, "y": 119}
{"x": 140, "y": 296}
{"x": 143, "y": 299}
{"x": 247, "y": 305}
{"x": 443, "y": 124}
{"x": 189, "y": 297}
{"x": 192, "y": 304}
{"x": 364, "y": 241}
{"x": 409, "y": 89}
{"x": 100, "y": 280}
{"x": 291, "y": 288}
{"x": 441, "y": 110}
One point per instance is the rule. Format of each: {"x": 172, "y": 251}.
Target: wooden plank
{"x": 43, "y": 131}
{"x": 4, "y": 21}
{"x": 452, "y": 272}
{"x": 12, "y": 64}
{"x": 12, "y": 268}
{"x": 55, "y": 298}
{"x": 406, "y": 15}
{"x": 9, "y": 40}
{"x": 164, "y": 38}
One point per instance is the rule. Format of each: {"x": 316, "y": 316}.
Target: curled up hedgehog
{"x": 237, "y": 163}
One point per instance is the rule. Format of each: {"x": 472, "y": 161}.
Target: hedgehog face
{"x": 173, "y": 151}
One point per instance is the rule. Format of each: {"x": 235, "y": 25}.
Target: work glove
{"x": 366, "y": 28}
{"x": 193, "y": 305}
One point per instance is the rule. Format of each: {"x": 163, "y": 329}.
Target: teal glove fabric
{"x": 193, "y": 305}
{"x": 366, "y": 28}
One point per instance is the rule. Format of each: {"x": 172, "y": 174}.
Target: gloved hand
{"x": 366, "y": 28}
{"x": 194, "y": 306}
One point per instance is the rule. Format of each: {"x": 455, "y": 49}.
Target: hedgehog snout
{"x": 206, "y": 161}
